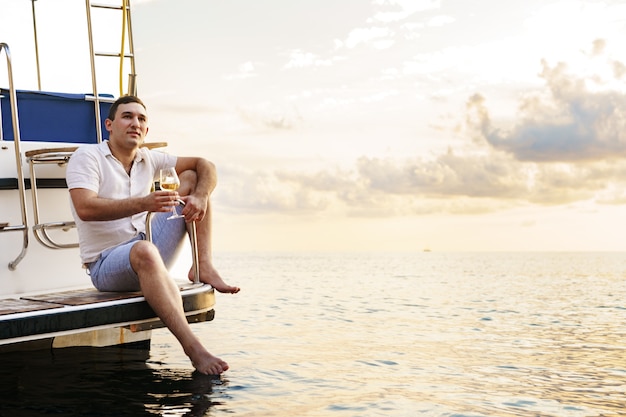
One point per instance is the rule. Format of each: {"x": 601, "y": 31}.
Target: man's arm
{"x": 90, "y": 207}
{"x": 206, "y": 174}
{"x": 197, "y": 201}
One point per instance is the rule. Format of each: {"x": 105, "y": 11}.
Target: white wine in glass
{"x": 170, "y": 182}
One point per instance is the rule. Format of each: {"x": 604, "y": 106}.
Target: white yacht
{"x": 46, "y": 299}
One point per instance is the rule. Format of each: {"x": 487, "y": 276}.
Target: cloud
{"x": 574, "y": 120}
{"x": 598, "y": 47}
{"x": 487, "y": 176}
{"x": 449, "y": 183}
{"x": 619, "y": 69}
{"x": 246, "y": 191}
{"x": 270, "y": 116}
{"x": 567, "y": 145}
{"x": 442, "y": 20}
{"x": 301, "y": 59}
{"x": 448, "y": 175}
{"x": 390, "y": 21}
{"x": 369, "y": 35}
{"x": 245, "y": 70}
{"x": 396, "y": 10}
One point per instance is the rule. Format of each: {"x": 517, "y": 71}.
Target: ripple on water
{"x": 328, "y": 335}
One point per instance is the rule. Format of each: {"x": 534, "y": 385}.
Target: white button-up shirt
{"x": 94, "y": 167}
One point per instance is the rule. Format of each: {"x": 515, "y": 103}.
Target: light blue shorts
{"x": 113, "y": 272}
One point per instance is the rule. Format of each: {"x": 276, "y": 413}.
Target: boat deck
{"x": 47, "y": 315}
{"x": 60, "y": 299}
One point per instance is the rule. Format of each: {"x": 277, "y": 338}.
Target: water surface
{"x": 432, "y": 334}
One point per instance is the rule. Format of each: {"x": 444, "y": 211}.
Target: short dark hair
{"x": 123, "y": 100}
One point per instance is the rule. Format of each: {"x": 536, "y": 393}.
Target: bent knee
{"x": 144, "y": 253}
{"x": 188, "y": 181}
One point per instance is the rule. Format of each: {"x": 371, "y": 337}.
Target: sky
{"x": 373, "y": 125}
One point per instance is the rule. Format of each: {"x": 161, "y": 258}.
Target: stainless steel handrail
{"x": 132, "y": 77}
{"x": 36, "y": 44}
{"x": 18, "y": 162}
{"x": 193, "y": 237}
{"x": 60, "y": 157}
{"x": 92, "y": 58}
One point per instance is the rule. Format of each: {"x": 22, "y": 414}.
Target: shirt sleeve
{"x": 82, "y": 171}
{"x": 161, "y": 160}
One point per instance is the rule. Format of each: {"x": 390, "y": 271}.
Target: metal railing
{"x": 192, "y": 237}
{"x": 60, "y": 157}
{"x": 18, "y": 162}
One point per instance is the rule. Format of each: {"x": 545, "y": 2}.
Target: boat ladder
{"x": 126, "y": 38}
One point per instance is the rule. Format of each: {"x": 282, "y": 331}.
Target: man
{"x": 110, "y": 189}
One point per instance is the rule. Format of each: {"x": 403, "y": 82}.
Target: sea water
{"x": 412, "y": 334}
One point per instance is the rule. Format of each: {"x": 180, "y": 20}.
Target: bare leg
{"x": 164, "y": 297}
{"x": 208, "y": 274}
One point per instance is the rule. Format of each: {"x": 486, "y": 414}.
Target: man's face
{"x": 130, "y": 126}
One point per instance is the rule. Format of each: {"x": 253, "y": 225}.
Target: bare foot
{"x": 210, "y": 276}
{"x": 208, "y": 364}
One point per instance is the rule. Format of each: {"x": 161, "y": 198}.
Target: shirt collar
{"x": 104, "y": 147}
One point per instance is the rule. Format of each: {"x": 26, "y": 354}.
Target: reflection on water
{"x": 397, "y": 335}
{"x": 99, "y": 382}
{"x": 435, "y": 334}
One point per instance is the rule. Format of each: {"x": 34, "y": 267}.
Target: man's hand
{"x": 195, "y": 207}
{"x": 162, "y": 201}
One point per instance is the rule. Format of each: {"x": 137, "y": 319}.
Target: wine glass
{"x": 169, "y": 181}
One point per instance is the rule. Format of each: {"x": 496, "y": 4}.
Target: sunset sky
{"x": 351, "y": 125}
